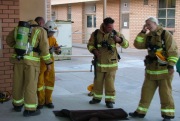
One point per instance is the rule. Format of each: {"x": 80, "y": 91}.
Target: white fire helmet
{"x": 51, "y": 26}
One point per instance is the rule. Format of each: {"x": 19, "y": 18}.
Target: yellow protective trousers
{"x": 45, "y": 84}
{"x": 25, "y": 85}
{"x": 165, "y": 92}
{"x": 104, "y": 79}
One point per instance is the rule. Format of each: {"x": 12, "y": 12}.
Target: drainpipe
{"x": 104, "y": 8}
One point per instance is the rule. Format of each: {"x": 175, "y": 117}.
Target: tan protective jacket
{"x": 108, "y": 60}
{"x": 38, "y": 40}
{"x": 155, "y": 70}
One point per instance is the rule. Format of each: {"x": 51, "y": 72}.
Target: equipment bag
{"x": 5, "y": 96}
{"x": 91, "y": 115}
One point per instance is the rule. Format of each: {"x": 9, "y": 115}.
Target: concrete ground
{"x": 73, "y": 76}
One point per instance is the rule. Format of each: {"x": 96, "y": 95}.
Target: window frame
{"x": 166, "y": 18}
{"x": 69, "y": 15}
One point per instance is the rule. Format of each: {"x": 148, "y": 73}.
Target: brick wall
{"x": 138, "y": 13}
{"x": 113, "y": 11}
{"x": 77, "y": 18}
{"x": 9, "y": 16}
{"x": 48, "y": 9}
{"x": 177, "y": 24}
{"x": 61, "y": 12}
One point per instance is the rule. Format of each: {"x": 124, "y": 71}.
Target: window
{"x": 166, "y": 13}
{"x": 69, "y": 12}
{"x": 91, "y": 21}
{"x": 53, "y": 15}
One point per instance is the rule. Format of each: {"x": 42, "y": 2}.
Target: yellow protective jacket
{"x": 38, "y": 40}
{"x": 108, "y": 61}
{"x": 154, "y": 70}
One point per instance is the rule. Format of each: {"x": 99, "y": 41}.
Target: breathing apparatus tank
{"x": 22, "y": 36}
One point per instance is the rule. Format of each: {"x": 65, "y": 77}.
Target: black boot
{"x": 94, "y": 101}
{"x": 109, "y": 104}
{"x": 40, "y": 106}
{"x": 166, "y": 119}
{"x": 136, "y": 114}
{"x": 50, "y": 105}
{"x": 28, "y": 113}
{"x": 18, "y": 108}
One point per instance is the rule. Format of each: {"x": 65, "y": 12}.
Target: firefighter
{"x": 158, "y": 72}
{"x": 102, "y": 44}
{"x": 47, "y": 78}
{"x": 29, "y": 42}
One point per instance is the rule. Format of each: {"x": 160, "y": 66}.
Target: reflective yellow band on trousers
{"x": 30, "y": 105}
{"x": 99, "y": 96}
{"x": 18, "y": 101}
{"x": 157, "y": 72}
{"x": 41, "y": 88}
{"x": 110, "y": 97}
{"x": 49, "y": 88}
{"x": 168, "y": 110}
{"x": 142, "y": 109}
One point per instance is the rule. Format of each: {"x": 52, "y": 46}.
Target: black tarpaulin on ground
{"x": 93, "y": 115}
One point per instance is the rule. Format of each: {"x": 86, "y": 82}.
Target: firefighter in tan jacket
{"x": 26, "y": 60}
{"x": 160, "y": 61}
{"x": 47, "y": 78}
{"x": 103, "y": 45}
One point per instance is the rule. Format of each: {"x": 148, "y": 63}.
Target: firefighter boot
{"x": 18, "y": 108}
{"x": 94, "y": 101}
{"x": 28, "y": 113}
{"x": 50, "y": 105}
{"x": 166, "y": 119}
{"x": 40, "y": 106}
{"x": 109, "y": 104}
{"x": 136, "y": 114}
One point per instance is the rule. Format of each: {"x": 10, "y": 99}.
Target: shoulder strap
{"x": 95, "y": 38}
{"x": 163, "y": 40}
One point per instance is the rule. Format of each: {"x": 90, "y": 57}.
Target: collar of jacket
{"x": 157, "y": 32}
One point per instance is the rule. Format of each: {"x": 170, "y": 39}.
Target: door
{"x": 125, "y": 18}
{"x": 90, "y": 26}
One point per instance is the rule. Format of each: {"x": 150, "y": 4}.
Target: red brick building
{"x": 11, "y": 11}
{"x": 129, "y": 15}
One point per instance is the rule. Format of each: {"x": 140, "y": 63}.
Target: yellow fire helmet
{"x": 90, "y": 87}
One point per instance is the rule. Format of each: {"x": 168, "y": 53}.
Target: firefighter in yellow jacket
{"x": 47, "y": 78}
{"x": 160, "y": 61}
{"x": 29, "y": 42}
{"x": 103, "y": 45}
